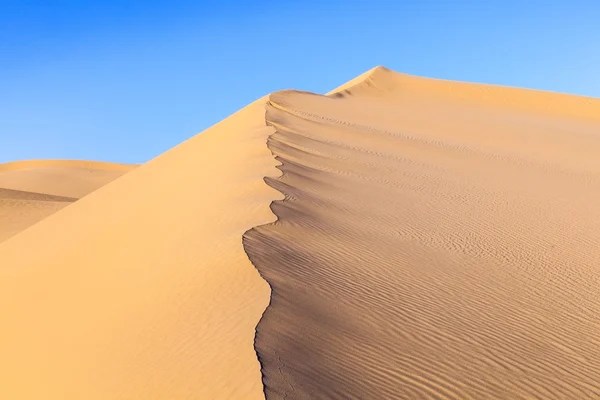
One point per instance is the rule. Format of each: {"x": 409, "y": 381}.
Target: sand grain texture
{"x": 437, "y": 240}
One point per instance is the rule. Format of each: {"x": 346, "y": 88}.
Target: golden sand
{"x": 437, "y": 240}
{"x": 427, "y": 239}
{"x": 32, "y": 190}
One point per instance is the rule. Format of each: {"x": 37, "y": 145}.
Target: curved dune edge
{"x": 142, "y": 289}
{"x": 381, "y": 82}
{"x": 425, "y": 246}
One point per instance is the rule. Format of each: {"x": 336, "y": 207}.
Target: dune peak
{"x": 400, "y": 237}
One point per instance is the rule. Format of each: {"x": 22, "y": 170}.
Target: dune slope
{"x": 141, "y": 289}
{"x": 427, "y": 239}
{"x": 32, "y": 190}
{"x": 437, "y": 240}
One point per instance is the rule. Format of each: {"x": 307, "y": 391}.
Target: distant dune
{"x": 31, "y": 190}
{"x": 421, "y": 239}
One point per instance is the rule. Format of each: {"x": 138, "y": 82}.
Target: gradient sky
{"x": 126, "y": 80}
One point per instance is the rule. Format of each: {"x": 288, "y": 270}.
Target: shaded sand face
{"x": 437, "y": 240}
{"x": 32, "y": 190}
{"x": 141, "y": 289}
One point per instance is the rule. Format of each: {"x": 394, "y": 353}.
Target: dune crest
{"x": 436, "y": 240}
{"x": 142, "y": 289}
{"x": 421, "y": 239}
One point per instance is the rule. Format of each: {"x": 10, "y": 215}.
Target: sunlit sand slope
{"x": 142, "y": 290}
{"x": 32, "y": 190}
{"x": 437, "y": 240}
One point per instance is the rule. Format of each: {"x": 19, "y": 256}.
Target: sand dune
{"x": 67, "y": 178}
{"x": 427, "y": 239}
{"x": 142, "y": 289}
{"x": 32, "y": 190}
{"x": 437, "y": 240}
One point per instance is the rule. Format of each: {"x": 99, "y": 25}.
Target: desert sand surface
{"x": 398, "y": 238}
{"x": 32, "y": 190}
{"x": 142, "y": 289}
{"x": 437, "y": 240}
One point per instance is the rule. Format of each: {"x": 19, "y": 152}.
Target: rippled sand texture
{"x": 32, "y": 190}
{"x": 437, "y": 240}
{"x": 141, "y": 290}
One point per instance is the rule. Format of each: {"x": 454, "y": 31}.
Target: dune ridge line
{"x": 142, "y": 289}
{"x": 426, "y": 247}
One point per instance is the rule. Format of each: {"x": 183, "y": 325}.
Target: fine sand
{"x": 437, "y": 240}
{"x": 142, "y": 289}
{"x": 32, "y": 190}
{"x": 427, "y": 239}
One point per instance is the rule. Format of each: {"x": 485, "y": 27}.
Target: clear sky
{"x": 125, "y": 80}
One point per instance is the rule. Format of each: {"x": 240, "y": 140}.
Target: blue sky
{"x": 126, "y": 80}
